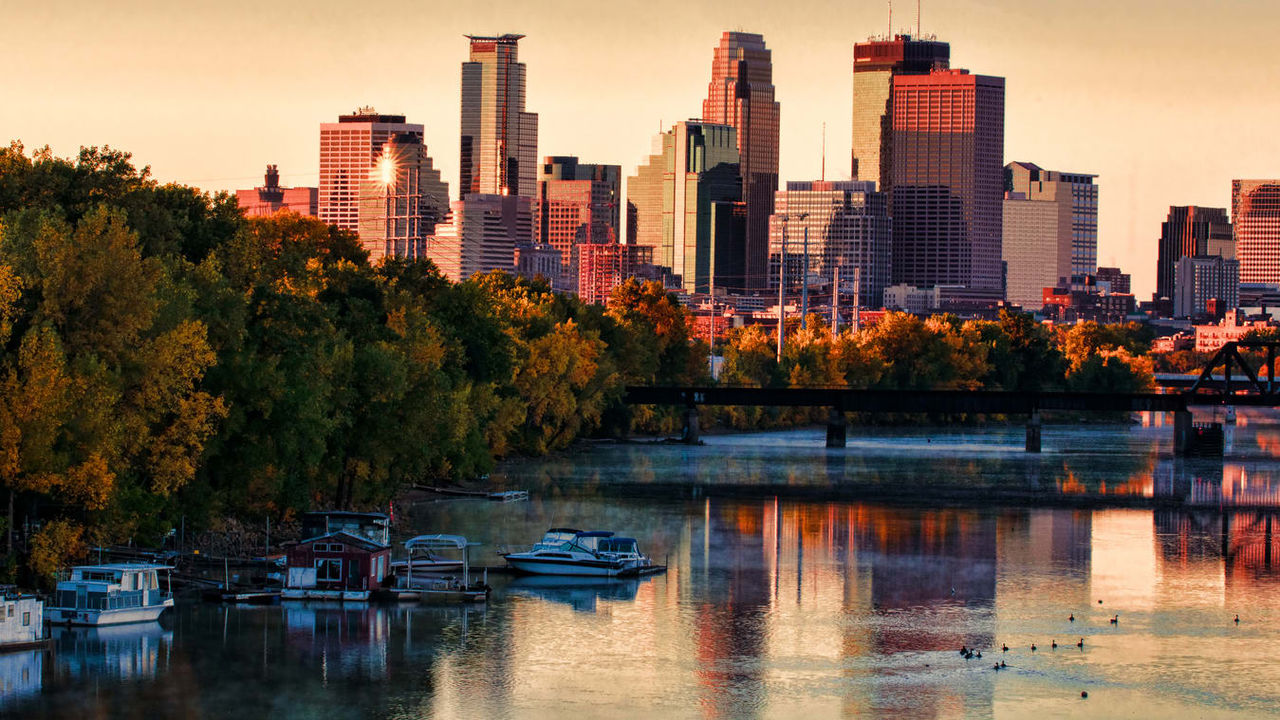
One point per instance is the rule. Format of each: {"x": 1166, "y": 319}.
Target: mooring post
{"x": 1182, "y": 430}
{"x": 690, "y": 436}
{"x": 1033, "y": 432}
{"x": 837, "y": 428}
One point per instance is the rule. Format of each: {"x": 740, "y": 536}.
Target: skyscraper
{"x": 947, "y": 181}
{"x": 576, "y": 203}
{"x": 1050, "y": 231}
{"x": 875, "y": 62}
{"x": 1255, "y": 218}
{"x": 1190, "y": 231}
{"x": 401, "y": 200}
{"x": 740, "y": 94}
{"x": 499, "y": 139}
{"x": 1076, "y": 194}
{"x": 848, "y": 229}
{"x": 481, "y": 235}
{"x": 681, "y": 204}
{"x": 348, "y": 150}
{"x": 1202, "y": 282}
{"x": 377, "y": 180}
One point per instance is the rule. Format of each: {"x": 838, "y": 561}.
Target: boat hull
{"x": 98, "y": 618}
{"x": 556, "y": 566}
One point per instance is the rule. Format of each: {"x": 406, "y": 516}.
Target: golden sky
{"x": 1166, "y": 100}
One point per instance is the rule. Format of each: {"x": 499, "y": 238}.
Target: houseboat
{"x": 21, "y": 620}
{"x": 110, "y": 595}
{"x": 565, "y": 551}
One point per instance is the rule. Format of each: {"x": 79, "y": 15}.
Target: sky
{"x": 1165, "y": 100}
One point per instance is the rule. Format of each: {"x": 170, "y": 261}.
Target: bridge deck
{"x": 929, "y": 401}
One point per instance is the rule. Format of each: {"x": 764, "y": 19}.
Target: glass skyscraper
{"x": 1255, "y": 218}
{"x": 875, "y": 62}
{"x": 1190, "y": 231}
{"x": 576, "y": 203}
{"x": 499, "y": 146}
{"x": 741, "y": 95}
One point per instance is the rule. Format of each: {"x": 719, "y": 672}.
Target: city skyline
{"x": 1069, "y": 109}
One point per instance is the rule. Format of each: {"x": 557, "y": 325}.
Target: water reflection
{"x": 21, "y": 676}
{"x": 119, "y": 652}
{"x": 581, "y": 593}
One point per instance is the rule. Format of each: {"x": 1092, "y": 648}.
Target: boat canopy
{"x": 436, "y": 542}
{"x": 571, "y": 531}
{"x": 596, "y": 534}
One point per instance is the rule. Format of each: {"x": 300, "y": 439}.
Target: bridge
{"x": 1180, "y": 396}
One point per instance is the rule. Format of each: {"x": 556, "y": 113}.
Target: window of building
{"x": 330, "y": 570}
{"x": 26, "y": 619}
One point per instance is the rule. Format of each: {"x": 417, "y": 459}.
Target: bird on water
{"x": 1237, "y": 619}
{"x": 1115, "y": 620}
{"x": 1033, "y": 647}
{"x": 1072, "y": 617}
{"x": 1080, "y": 644}
{"x": 1053, "y": 644}
{"x": 1004, "y": 648}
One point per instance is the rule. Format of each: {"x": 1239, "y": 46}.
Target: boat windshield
{"x": 618, "y": 545}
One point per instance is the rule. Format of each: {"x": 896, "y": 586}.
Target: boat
{"x": 421, "y": 579}
{"x": 342, "y": 556}
{"x": 566, "y": 551}
{"x": 111, "y": 594}
{"x": 21, "y": 620}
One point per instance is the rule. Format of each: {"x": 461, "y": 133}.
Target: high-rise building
{"x": 271, "y": 198}
{"x": 604, "y": 266}
{"x": 1113, "y": 280}
{"x": 1255, "y": 219}
{"x": 1204, "y": 282}
{"x": 348, "y": 151}
{"x": 848, "y": 230}
{"x": 576, "y": 203}
{"x": 401, "y": 200}
{"x": 682, "y": 204}
{"x": 1035, "y": 257}
{"x": 480, "y": 235}
{"x": 875, "y": 62}
{"x": 1190, "y": 231}
{"x": 1077, "y": 196}
{"x": 740, "y": 94}
{"x": 947, "y": 181}
{"x": 499, "y": 139}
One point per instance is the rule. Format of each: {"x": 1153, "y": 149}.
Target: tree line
{"x": 165, "y": 360}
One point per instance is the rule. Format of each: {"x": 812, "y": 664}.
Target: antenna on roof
{"x": 890, "y": 19}
{"x": 918, "y": 30}
{"x": 824, "y": 150}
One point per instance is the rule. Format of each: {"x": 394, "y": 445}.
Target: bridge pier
{"x": 1033, "y": 432}
{"x": 690, "y": 434}
{"x": 837, "y": 429}
{"x": 1182, "y": 433}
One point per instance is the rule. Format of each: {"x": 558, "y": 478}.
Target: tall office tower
{"x": 401, "y": 200}
{"x": 875, "y": 62}
{"x": 1200, "y": 280}
{"x": 741, "y": 94}
{"x": 480, "y": 235}
{"x": 576, "y": 203}
{"x": 1188, "y": 232}
{"x": 271, "y": 198}
{"x": 499, "y": 139}
{"x": 685, "y": 203}
{"x": 848, "y": 230}
{"x": 1255, "y": 218}
{"x": 1076, "y": 194}
{"x": 1034, "y": 255}
{"x": 947, "y": 180}
{"x": 349, "y": 149}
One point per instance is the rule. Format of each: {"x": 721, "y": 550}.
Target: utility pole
{"x": 782, "y": 284}
{"x": 804, "y": 282}
{"x": 857, "y": 299}
{"x": 835, "y": 305}
{"x": 711, "y": 331}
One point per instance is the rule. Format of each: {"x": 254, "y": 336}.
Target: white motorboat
{"x": 565, "y": 551}
{"x": 427, "y": 558}
{"x": 109, "y": 595}
{"x": 423, "y": 576}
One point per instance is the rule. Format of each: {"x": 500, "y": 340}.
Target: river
{"x": 783, "y": 599}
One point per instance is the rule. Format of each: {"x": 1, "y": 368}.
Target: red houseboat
{"x": 338, "y": 564}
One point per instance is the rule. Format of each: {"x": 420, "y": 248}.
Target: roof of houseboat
{"x": 436, "y": 541}
{"x": 123, "y": 567}
{"x": 346, "y": 537}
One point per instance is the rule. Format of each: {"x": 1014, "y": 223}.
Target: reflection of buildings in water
{"x": 1215, "y": 482}
{"x": 21, "y": 675}
{"x": 121, "y": 652}
{"x": 352, "y": 637}
{"x": 1240, "y": 544}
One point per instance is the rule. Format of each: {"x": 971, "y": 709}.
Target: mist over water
{"x": 778, "y": 602}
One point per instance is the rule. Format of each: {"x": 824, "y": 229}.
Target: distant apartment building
{"x": 401, "y": 201}
{"x": 875, "y": 63}
{"x": 1190, "y": 231}
{"x": 499, "y": 140}
{"x": 1255, "y": 220}
{"x": 534, "y": 260}
{"x": 1112, "y": 280}
{"x": 480, "y": 235}
{"x": 576, "y": 203}
{"x": 946, "y": 186}
{"x": 271, "y": 198}
{"x": 1211, "y": 337}
{"x": 1205, "y": 285}
{"x": 1028, "y": 248}
{"x": 912, "y": 299}
{"x": 741, "y": 95}
{"x": 831, "y": 231}
{"x": 685, "y": 203}
{"x": 1067, "y": 303}
{"x": 602, "y": 267}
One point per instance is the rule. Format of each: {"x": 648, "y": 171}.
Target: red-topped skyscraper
{"x": 499, "y": 139}
{"x": 740, "y": 95}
